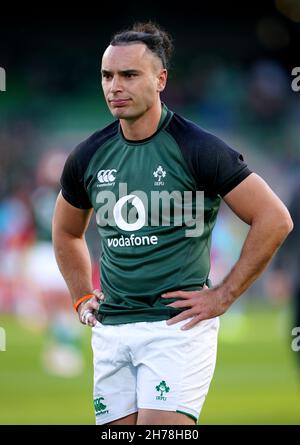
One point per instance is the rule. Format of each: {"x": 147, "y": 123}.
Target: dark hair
{"x": 153, "y": 36}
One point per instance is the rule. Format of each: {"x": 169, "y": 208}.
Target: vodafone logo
{"x": 140, "y": 210}
{"x": 106, "y": 176}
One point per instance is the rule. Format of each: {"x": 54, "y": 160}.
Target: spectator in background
{"x": 284, "y": 280}
{"x": 48, "y": 302}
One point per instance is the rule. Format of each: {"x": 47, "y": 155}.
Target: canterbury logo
{"x": 106, "y": 175}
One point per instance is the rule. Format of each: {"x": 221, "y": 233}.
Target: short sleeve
{"x": 231, "y": 168}
{"x": 216, "y": 167}
{"x": 72, "y": 183}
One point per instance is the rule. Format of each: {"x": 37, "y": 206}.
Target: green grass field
{"x": 256, "y": 380}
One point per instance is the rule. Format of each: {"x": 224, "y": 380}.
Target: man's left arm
{"x": 255, "y": 203}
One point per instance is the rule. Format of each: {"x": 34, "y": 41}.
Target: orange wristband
{"x": 78, "y": 302}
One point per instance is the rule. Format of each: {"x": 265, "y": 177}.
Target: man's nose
{"x": 116, "y": 84}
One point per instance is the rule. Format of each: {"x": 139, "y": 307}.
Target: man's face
{"x": 132, "y": 78}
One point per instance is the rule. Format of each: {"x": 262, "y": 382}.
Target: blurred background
{"x": 231, "y": 74}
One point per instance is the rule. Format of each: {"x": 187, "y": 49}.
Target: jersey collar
{"x": 165, "y": 117}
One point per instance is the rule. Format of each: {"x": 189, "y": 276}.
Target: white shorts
{"x": 152, "y": 365}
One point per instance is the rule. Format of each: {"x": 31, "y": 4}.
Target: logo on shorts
{"x": 162, "y": 388}
{"x": 100, "y": 408}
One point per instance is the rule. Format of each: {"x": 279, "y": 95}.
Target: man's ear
{"x": 162, "y": 80}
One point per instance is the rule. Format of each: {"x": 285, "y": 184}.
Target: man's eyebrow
{"x": 129, "y": 71}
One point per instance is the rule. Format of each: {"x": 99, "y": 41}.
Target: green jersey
{"x": 156, "y": 201}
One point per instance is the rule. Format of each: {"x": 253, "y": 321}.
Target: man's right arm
{"x": 72, "y": 255}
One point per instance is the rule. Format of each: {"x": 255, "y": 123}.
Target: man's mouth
{"x": 118, "y": 102}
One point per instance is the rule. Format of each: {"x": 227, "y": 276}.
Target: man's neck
{"x": 144, "y": 126}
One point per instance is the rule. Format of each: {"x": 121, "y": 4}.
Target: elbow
{"x": 284, "y": 225}
{"x": 277, "y": 223}
{"x": 290, "y": 224}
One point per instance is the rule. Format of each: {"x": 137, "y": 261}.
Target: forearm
{"x": 73, "y": 259}
{"x": 263, "y": 240}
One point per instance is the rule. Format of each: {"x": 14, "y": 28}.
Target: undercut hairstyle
{"x": 153, "y": 36}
